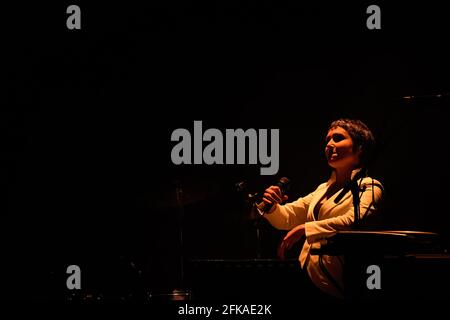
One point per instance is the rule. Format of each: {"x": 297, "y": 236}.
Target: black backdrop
{"x": 87, "y": 118}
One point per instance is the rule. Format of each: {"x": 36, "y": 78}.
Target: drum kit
{"x": 182, "y": 194}
{"x": 352, "y": 242}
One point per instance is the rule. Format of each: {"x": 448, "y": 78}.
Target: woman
{"x": 349, "y": 144}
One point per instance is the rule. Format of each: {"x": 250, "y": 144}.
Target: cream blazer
{"x": 332, "y": 217}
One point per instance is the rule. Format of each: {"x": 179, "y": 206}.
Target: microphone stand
{"x": 356, "y": 201}
{"x": 180, "y": 206}
{"x": 256, "y": 220}
{"x": 181, "y": 293}
{"x": 251, "y": 213}
{"x": 354, "y": 188}
{"x": 352, "y": 260}
{"x": 257, "y": 224}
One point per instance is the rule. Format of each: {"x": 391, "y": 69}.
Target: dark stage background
{"x": 86, "y": 174}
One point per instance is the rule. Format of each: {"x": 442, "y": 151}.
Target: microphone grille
{"x": 284, "y": 184}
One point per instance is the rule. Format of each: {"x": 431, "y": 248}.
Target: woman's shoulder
{"x": 322, "y": 185}
{"x": 369, "y": 181}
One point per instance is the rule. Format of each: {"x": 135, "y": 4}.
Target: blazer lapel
{"x": 330, "y": 204}
{"x": 315, "y": 200}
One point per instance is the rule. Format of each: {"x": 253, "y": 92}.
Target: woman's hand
{"x": 273, "y": 195}
{"x": 290, "y": 239}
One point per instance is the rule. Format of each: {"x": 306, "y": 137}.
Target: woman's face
{"x": 339, "y": 150}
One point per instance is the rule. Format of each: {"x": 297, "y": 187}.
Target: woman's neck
{"x": 343, "y": 176}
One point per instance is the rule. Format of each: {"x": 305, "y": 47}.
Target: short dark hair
{"x": 361, "y": 135}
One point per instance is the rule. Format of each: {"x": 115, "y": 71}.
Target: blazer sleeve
{"x": 286, "y": 217}
{"x": 370, "y": 200}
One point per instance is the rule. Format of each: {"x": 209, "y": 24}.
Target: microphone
{"x": 284, "y": 185}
